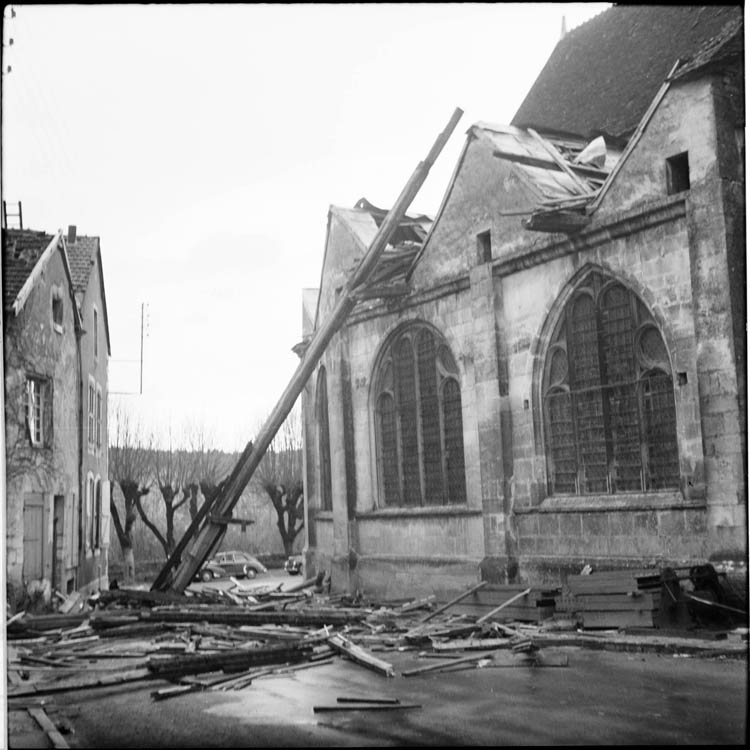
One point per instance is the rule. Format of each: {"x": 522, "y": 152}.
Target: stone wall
{"x": 674, "y": 252}
{"x": 33, "y": 346}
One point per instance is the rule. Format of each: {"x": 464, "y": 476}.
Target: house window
{"x": 96, "y": 334}
{"x": 418, "y": 421}
{"x": 92, "y": 413}
{"x": 609, "y": 407}
{"x": 324, "y": 442}
{"x": 678, "y": 174}
{"x": 57, "y": 309}
{"x": 484, "y": 247}
{"x": 39, "y": 410}
{"x": 98, "y": 417}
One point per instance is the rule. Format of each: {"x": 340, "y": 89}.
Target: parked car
{"x": 239, "y": 563}
{"x": 293, "y": 565}
{"x": 209, "y": 572}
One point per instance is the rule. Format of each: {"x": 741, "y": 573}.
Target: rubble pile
{"x": 209, "y": 639}
{"x": 225, "y": 640}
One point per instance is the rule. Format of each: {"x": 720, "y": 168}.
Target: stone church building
{"x": 551, "y": 373}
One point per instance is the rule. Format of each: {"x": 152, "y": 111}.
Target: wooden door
{"x": 58, "y": 541}
{"x": 33, "y": 536}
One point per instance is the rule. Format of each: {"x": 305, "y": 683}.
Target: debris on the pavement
{"x": 365, "y": 707}
{"x": 40, "y": 716}
{"x": 359, "y": 655}
{"x": 456, "y": 600}
{"x": 447, "y": 664}
{"x": 201, "y": 640}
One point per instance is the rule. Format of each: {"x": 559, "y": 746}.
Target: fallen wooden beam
{"x": 356, "y": 653}
{"x": 452, "y": 663}
{"x": 493, "y": 612}
{"x": 471, "y": 644}
{"x": 61, "y": 687}
{"x": 245, "y": 616}
{"x": 41, "y": 718}
{"x": 416, "y": 604}
{"x": 459, "y": 598}
{"x": 235, "y": 659}
{"x": 365, "y": 707}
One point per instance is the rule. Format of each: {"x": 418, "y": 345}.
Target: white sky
{"x": 204, "y": 144}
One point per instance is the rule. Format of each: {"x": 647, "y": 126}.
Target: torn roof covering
{"x": 365, "y": 219}
{"x": 533, "y": 157}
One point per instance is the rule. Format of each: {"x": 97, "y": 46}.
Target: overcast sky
{"x": 204, "y": 144}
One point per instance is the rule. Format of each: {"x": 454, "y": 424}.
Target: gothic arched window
{"x": 418, "y": 420}
{"x": 609, "y": 408}
{"x": 324, "y": 442}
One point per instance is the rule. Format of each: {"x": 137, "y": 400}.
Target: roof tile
{"x": 602, "y": 76}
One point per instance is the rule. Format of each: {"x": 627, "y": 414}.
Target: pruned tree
{"x": 168, "y": 467}
{"x": 280, "y": 475}
{"x": 128, "y": 469}
{"x": 204, "y": 470}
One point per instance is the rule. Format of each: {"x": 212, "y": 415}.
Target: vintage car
{"x": 237, "y": 563}
{"x": 209, "y": 572}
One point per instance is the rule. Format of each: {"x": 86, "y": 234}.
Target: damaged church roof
{"x": 602, "y": 76}
{"x": 365, "y": 219}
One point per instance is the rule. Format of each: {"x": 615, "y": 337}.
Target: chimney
{"x": 71, "y": 234}
{"x": 564, "y": 29}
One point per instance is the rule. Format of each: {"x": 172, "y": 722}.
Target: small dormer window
{"x": 678, "y": 174}
{"x": 57, "y": 309}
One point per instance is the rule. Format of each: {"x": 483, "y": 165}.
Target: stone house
{"x": 552, "y": 372}
{"x": 55, "y": 339}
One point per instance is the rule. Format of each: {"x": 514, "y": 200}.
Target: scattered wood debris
{"x": 209, "y": 642}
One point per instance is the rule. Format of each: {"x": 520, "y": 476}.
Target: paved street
{"x": 600, "y": 698}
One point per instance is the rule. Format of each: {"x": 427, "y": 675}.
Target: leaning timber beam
{"x": 207, "y": 537}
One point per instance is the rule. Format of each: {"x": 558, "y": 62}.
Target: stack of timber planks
{"x": 537, "y": 605}
{"x": 613, "y": 599}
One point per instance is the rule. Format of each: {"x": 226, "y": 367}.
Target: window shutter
{"x": 74, "y": 521}
{"x": 105, "y": 513}
{"x": 47, "y": 414}
{"x": 68, "y": 531}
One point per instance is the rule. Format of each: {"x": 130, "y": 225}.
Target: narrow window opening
{"x": 484, "y": 246}
{"x": 324, "y": 444}
{"x": 57, "y": 310}
{"x": 678, "y": 173}
{"x": 35, "y": 409}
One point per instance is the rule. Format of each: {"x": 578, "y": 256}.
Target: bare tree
{"x": 280, "y": 475}
{"x": 204, "y": 470}
{"x": 129, "y": 469}
{"x": 168, "y": 467}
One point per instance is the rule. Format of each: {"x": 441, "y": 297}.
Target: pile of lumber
{"x": 612, "y": 599}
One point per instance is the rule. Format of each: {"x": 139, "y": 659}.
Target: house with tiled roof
{"x": 56, "y": 518}
{"x": 556, "y": 378}
{"x": 88, "y": 287}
